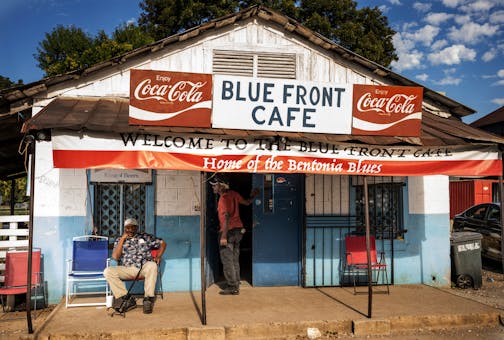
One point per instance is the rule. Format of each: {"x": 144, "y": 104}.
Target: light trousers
{"x": 115, "y": 276}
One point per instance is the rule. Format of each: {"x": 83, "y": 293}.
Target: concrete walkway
{"x": 274, "y": 312}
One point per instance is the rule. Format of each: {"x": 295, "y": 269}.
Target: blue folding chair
{"x": 85, "y": 270}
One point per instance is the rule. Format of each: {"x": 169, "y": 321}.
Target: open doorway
{"x": 241, "y": 183}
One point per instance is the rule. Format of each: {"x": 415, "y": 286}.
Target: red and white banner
{"x": 170, "y": 98}
{"x": 387, "y": 110}
{"x": 265, "y": 155}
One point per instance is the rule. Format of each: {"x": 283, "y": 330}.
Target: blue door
{"x": 277, "y": 216}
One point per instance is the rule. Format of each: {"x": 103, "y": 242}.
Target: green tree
{"x": 69, "y": 48}
{"x": 162, "y": 18}
{"x": 131, "y": 34}
{"x": 62, "y": 49}
{"x": 19, "y": 191}
{"x": 364, "y": 31}
{"x": 5, "y": 82}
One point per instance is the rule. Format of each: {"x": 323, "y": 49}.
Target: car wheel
{"x": 464, "y": 281}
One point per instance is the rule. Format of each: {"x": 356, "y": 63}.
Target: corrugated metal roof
{"x": 494, "y": 117}
{"x": 110, "y": 114}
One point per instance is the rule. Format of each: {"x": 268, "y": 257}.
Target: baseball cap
{"x": 130, "y": 221}
{"x": 219, "y": 179}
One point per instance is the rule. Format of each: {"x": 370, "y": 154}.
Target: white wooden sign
{"x": 281, "y": 105}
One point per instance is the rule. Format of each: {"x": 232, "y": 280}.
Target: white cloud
{"x": 437, "y": 18}
{"x": 424, "y": 35}
{"x": 408, "y": 60}
{"x": 384, "y": 9}
{"x": 472, "y": 32}
{"x": 409, "y": 57}
{"x": 451, "y": 3}
{"x": 489, "y": 55}
{"x": 498, "y": 101}
{"x": 422, "y": 7}
{"x": 439, "y": 44}
{"x": 462, "y": 19}
{"x": 395, "y": 2}
{"x": 422, "y": 77}
{"x": 401, "y": 43}
{"x": 452, "y": 55}
{"x": 497, "y": 17}
{"x": 499, "y": 83}
{"x": 477, "y": 6}
{"x": 500, "y": 73}
{"x": 448, "y": 80}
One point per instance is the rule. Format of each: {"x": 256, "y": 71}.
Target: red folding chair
{"x": 16, "y": 276}
{"x": 356, "y": 260}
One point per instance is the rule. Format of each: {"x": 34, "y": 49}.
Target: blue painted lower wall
{"x": 181, "y": 268}
{"x": 422, "y": 257}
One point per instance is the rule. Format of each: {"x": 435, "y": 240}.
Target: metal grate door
{"x": 116, "y": 202}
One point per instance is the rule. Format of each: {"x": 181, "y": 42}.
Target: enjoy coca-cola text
{"x": 398, "y": 103}
{"x": 181, "y": 91}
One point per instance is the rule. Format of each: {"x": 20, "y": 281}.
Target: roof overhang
{"x": 110, "y": 114}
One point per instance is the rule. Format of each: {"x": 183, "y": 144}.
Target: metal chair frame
{"x": 16, "y": 275}
{"x": 89, "y": 260}
{"x": 356, "y": 260}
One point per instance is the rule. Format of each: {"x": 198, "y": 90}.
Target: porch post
{"x": 203, "y": 246}
{"x": 501, "y": 199}
{"x": 31, "y": 140}
{"x": 368, "y": 242}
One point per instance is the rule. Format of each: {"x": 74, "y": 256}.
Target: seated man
{"x": 132, "y": 250}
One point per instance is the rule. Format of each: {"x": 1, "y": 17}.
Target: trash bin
{"x": 466, "y": 259}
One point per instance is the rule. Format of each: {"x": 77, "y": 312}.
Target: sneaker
{"x": 148, "y": 304}
{"x": 122, "y": 306}
{"x": 230, "y": 291}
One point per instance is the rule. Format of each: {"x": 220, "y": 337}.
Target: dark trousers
{"x": 230, "y": 258}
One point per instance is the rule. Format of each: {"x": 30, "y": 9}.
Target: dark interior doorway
{"x": 241, "y": 183}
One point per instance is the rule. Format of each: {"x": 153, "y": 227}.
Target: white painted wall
{"x": 177, "y": 193}
{"x": 429, "y": 195}
{"x": 196, "y": 56}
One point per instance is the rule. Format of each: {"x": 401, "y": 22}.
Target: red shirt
{"x": 229, "y": 202}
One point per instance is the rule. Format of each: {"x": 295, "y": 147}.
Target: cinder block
{"x": 206, "y": 333}
{"x": 371, "y": 327}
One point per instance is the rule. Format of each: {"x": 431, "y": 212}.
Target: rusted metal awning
{"x": 110, "y": 114}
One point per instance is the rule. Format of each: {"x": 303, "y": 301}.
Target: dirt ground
{"x": 13, "y": 325}
{"x": 491, "y": 292}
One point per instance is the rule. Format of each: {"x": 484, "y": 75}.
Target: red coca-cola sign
{"x": 170, "y": 98}
{"x": 387, "y": 110}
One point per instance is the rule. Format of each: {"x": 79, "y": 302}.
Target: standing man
{"x": 133, "y": 250}
{"x": 231, "y": 231}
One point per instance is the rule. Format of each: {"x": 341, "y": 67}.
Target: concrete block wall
{"x": 177, "y": 213}
{"x": 177, "y": 193}
{"x": 425, "y": 251}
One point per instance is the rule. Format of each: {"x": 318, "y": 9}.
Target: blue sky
{"x": 452, "y": 46}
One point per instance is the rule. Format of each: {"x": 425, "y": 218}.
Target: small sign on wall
{"x": 121, "y": 176}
